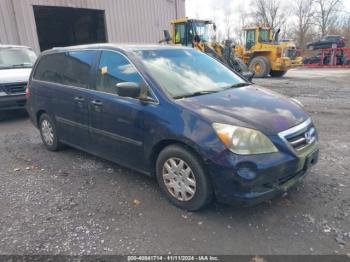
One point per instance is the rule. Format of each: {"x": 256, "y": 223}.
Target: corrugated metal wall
{"x": 8, "y": 26}
{"x": 137, "y": 21}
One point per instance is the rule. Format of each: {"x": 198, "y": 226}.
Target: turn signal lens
{"x": 27, "y": 90}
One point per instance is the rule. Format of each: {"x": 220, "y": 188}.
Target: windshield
{"x": 16, "y": 58}
{"x": 186, "y": 72}
{"x": 204, "y": 30}
{"x": 264, "y": 35}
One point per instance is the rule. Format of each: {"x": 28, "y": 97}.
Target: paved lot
{"x": 73, "y": 203}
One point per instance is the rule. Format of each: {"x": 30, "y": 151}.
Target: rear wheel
{"x": 274, "y": 73}
{"x": 48, "y": 133}
{"x": 260, "y": 65}
{"x": 183, "y": 179}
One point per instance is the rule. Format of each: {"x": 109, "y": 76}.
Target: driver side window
{"x": 114, "y": 68}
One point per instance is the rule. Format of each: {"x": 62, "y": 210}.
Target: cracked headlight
{"x": 244, "y": 141}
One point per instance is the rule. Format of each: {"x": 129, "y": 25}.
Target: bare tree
{"x": 228, "y": 22}
{"x": 346, "y": 29}
{"x": 342, "y": 27}
{"x": 243, "y": 19}
{"x": 304, "y": 12}
{"x": 326, "y": 14}
{"x": 270, "y": 12}
{"x": 287, "y": 30}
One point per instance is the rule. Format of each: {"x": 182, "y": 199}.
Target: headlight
{"x": 244, "y": 141}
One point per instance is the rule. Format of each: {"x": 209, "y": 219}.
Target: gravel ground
{"x": 73, "y": 203}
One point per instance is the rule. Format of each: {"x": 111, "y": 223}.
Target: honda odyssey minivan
{"x": 176, "y": 114}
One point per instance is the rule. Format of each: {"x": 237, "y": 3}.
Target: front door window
{"x": 114, "y": 68}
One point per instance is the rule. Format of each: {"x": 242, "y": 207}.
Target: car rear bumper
{"x": 12, "y": 102}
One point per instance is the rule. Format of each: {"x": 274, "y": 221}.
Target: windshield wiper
{"x": 198, "y": 93}
{"x": 22, "y": 65}
{"x": 238, "y": 85}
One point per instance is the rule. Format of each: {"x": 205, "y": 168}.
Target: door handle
{"x": 96, "y": 103}
{"x": 79, "y": 99}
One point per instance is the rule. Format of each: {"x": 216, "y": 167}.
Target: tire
{"x": 260, "y": 65}
{"x": 169, "y": 180}
{"x": 47, "y": 128}
{"x": 277, "y": 73}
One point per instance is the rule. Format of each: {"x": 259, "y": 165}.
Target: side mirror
{"x": 128, "y": 89}
{"x": 134, "y": 90}
{"x": 167, "y": 37}
{"x": 196, "y": 39}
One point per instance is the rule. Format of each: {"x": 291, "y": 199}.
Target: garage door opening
{"x": 65, "y": 26}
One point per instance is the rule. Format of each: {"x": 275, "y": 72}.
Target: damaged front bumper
{"x": 251, "y": 179}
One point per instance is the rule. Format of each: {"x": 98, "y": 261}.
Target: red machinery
{"x": 332, "y": 58}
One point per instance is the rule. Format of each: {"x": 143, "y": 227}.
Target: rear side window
{"x": 69, "y": 68}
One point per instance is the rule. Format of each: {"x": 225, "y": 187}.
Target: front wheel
{"x": 260, "y": 65}
{"x": 183, "y": 179}
{"x": 277, "y": 73}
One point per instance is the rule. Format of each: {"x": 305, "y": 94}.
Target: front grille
{"x": 14, "y": 88}
{"x": 301, "y": 136}
{"x": 290, "y": 52}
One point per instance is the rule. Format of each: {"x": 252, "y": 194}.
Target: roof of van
{"x": 124, "y": 47}
{"x": 14, "y": 46}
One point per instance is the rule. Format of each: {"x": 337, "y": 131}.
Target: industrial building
{"x": 43, "y": 24}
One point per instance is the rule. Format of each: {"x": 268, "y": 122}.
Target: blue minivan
{"x": 174, "y": 113}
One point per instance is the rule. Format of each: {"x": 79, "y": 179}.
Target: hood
{"x": 249, "y": 106}
{"x": 14, "y": 75}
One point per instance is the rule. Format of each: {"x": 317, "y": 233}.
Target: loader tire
{"x": 261, "y": 66}
{"x": 277, "y": 73}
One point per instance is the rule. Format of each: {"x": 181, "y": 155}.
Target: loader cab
{"x": 257, "y": 35}
{"x": 184, "y": 30}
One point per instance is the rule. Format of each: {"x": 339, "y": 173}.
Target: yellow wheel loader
{"x": 200, "y": 34}
{"x": 265, "y": 55}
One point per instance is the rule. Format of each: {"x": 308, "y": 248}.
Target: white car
{"x": 16, "y": 63}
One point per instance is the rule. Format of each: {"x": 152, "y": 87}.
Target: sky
{"x": 215, "y": 10}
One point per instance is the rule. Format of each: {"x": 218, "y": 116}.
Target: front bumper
{"x": 12, "y": 102}
{"x": 298, "y": 61}
{"x": 274, "y": 173}
{"x": 285, "y": 63}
